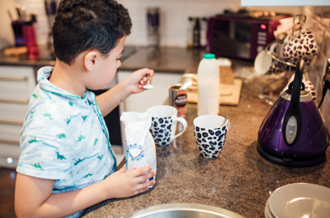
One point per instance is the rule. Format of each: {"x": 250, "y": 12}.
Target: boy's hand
{"x": 138, "y": 79}
{"x": 124, "y": 183}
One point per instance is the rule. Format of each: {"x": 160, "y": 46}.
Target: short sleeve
{"x": 46, "y": 148}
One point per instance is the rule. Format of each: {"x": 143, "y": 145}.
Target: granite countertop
{"x": 170, "y": 59}
{"x": 47, "y": 57}
{"x": 165, "y": 59}
{"x": 239, "y": 180}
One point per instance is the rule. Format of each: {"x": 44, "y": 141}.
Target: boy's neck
{"x": 68, "y": 78}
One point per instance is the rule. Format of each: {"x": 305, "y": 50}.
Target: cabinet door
{"x": 16, "y": 84}
{"x": 9, "y": 155}
{"x": 12, "y": 113}
{"x": 156, "y": 96}
{"x": 10, "y": 133}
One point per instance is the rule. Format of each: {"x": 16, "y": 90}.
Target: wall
{"x": 6, "y": 33}
{"x": 42, "y": 26}
{"x": 173, "y": 21}
{"x": 174, "y": 17}
{"x": 318, "y": 20}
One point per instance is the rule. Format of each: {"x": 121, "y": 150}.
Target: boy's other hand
{"x": 138, "y": 79}
{"x": 122, "y": 183}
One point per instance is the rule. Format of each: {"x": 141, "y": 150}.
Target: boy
{"x": 66, "y": 162}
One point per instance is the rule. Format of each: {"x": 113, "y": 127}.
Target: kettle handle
{"x": 292, "y": 122}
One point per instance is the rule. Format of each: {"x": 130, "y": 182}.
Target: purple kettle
{"x": 293, "y": 132}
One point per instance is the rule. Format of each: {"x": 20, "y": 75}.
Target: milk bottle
{"x": 208, "y": 86}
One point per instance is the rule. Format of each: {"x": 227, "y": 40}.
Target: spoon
{"x": 148, "y": 86}
{"x": 186, "y": 82}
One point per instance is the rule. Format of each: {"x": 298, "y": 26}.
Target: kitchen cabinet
{"x": 156, "y": 96}
{"x": 16, "y": 86}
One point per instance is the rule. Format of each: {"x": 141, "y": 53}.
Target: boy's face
{"x": 106, "y": 67}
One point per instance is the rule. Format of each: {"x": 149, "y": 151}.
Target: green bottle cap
{"x": 209, "y": 56}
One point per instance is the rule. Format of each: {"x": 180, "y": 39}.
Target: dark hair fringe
{"x": 81, "y": 25}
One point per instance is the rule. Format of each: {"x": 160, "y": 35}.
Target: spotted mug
{"x": 163, "y": 124}
{"x": 300, "y": 46}
{"x": 210, "y": 134}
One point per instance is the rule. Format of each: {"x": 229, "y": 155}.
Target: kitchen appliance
{"x": 240, "y": 35}
{"x": 293, "y": 132}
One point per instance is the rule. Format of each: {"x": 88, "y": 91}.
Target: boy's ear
{"x": 90, "y": 60}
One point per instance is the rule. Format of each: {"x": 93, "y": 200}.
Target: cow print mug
{"x": 210, "y": 134}
{"x": 163, "y": 124}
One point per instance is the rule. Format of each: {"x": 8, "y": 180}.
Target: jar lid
{"x": 209, "y": 56}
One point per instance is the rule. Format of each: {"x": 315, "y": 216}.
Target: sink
{"x": 183, "y": 210}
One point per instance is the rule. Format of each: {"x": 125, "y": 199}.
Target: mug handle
{"x": 273, "y": 46}
{"x": 228, "y": 124}
{"x": 184, "y": 124}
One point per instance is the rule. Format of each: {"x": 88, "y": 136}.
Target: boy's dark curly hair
{"x": 81, "y": 25}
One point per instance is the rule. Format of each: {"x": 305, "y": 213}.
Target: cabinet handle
{"x": 17, "y": 79}
{"x": 14, "y": 101}
{"x": 11, "y": 122}
{"x": 9, "y": 141}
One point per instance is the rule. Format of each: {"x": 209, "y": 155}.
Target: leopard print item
{"x": 300, "y": 46}
{"x": 276, "y": 67}
{"x": 161, "y": 129}
{"x": 210, "y": 142}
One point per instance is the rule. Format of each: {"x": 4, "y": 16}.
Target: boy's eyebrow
{"x": 122, "y": 52}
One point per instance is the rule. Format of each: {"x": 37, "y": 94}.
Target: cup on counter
{"x": 264, "y": 63}
{"x": 210, "y": 134}
{"x": 178, "y": 98}
{"x": 163, "y": 124}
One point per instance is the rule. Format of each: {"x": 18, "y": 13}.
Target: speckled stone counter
{"x": 47, "y": 57}
{"x": 165, "y": 59}
{"x": 239, "y": 180}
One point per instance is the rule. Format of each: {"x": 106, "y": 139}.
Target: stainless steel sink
{"x": 183, "y": 210}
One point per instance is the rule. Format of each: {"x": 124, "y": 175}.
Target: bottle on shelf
{"x": 208, "y": 86}
{"x": 190, "y": 32}
{"x": 30, "y": 40}
{"x": 203, "y": 33}
{"x": 196, "y": 34}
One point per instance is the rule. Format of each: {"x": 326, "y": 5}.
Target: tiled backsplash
{"x": 318, "y": 21}
{"x": 173, "y": 17}
{"x": 42, "y": 27}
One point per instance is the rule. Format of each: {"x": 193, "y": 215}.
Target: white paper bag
{"x": 139, "y": 144}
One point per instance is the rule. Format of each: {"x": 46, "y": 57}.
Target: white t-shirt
{"x": 64, "y": 137}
